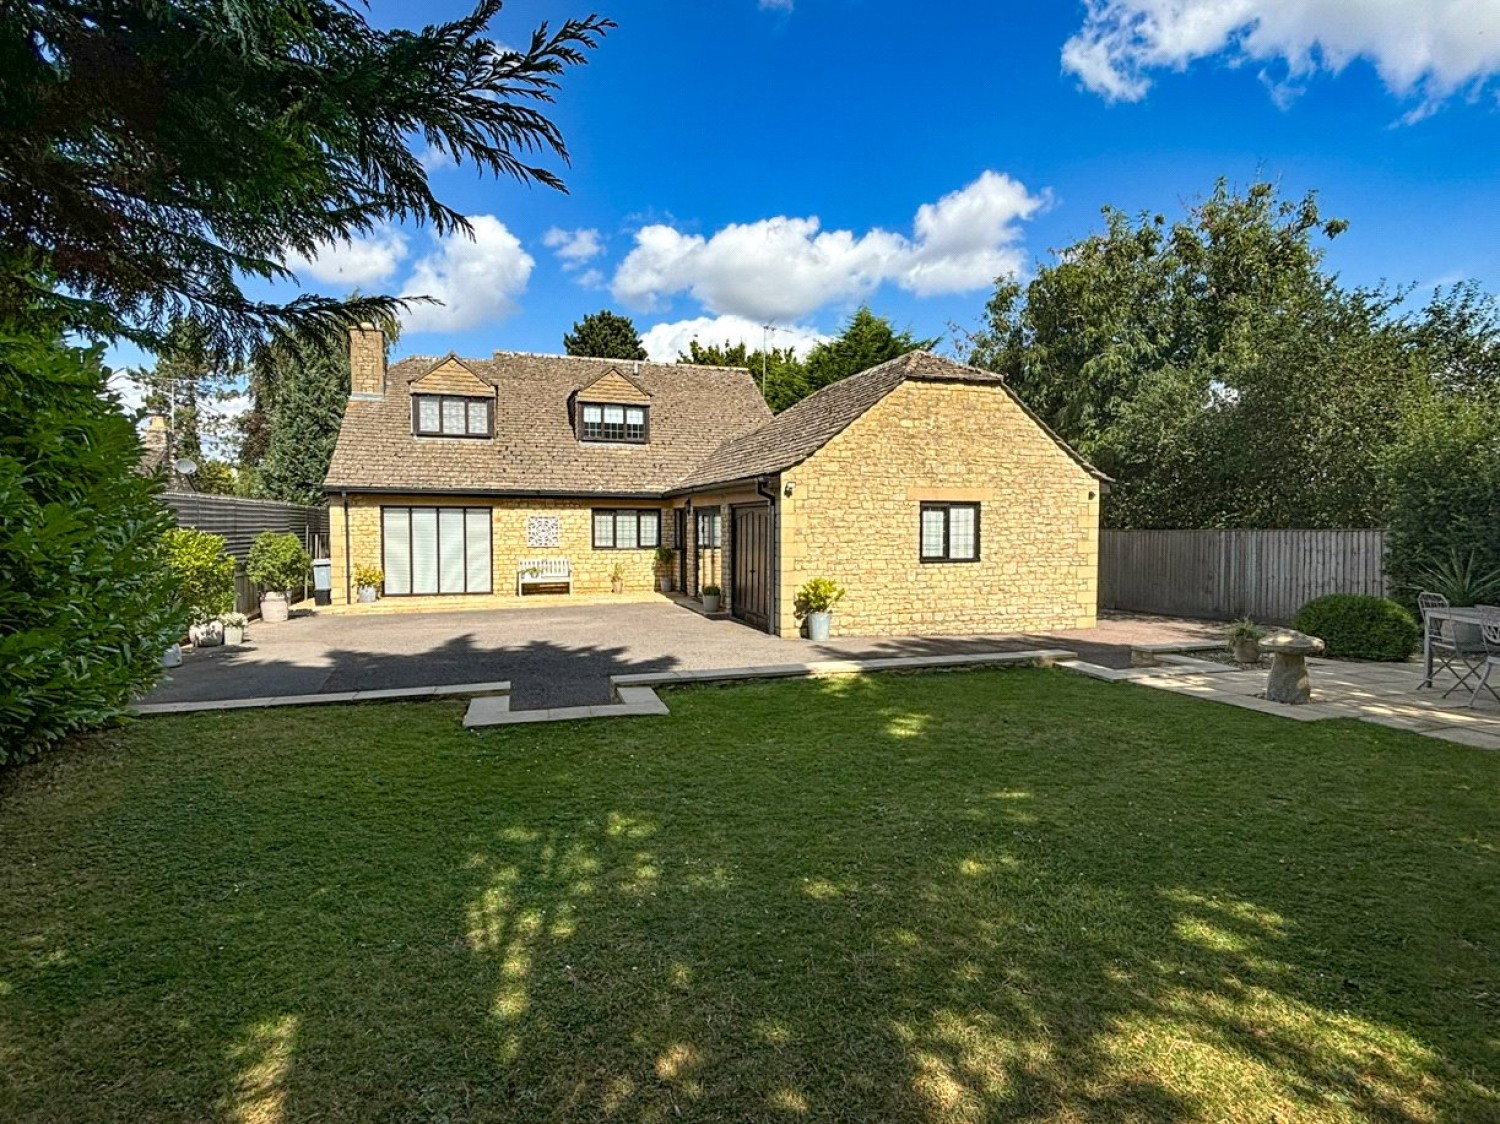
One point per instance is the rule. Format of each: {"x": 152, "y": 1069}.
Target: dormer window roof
{"x": 613, "y": 408}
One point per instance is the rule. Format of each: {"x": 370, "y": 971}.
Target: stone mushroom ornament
{"x": 1289, "y": 649}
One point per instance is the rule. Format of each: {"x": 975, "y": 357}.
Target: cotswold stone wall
{"x": 591, "y": 568}
{"x": 853, "y": 516}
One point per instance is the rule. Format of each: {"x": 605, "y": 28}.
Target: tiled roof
{"x": 693, "y": 411}
{"x": 794, "y": 435}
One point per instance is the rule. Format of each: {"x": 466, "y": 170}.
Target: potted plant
{"x": 1464, "y": 583}
{"x": 814, "y": 602}
{"x": 368, "y": 579}
{"x": 1244, "y": 637}
{"x": 276, "y": 563}
{"x": 234, "y": 627}
{"x": 204, "y": 575}
{"x": 711, "y": 595}
{"x": 664, "y": 568}
{"x": 617, "y": 578}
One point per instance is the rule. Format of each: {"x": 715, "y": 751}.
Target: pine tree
{"x": 866, "y": 341}
{"x": 604, "y": 335}
{"x": 312, "y": 387}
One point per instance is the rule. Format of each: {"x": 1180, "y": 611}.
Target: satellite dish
{"x": 185, "y": 466}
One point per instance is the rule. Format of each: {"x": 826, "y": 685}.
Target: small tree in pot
{"x": 276, "y": 564}
{"x": 711, "y": 595}
{"x": 368, "y": 580}
{"x": 814, "y": 602}
{"x": 617, "y": 578}
{"x": 204, "y": 574}
{"x": 664, "y": 556}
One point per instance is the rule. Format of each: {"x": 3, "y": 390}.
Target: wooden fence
{"x": 238, "y": 521}
{"x": 1267, "y": 575}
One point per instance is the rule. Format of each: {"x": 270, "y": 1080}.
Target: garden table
{"x": 1466, "y": 615}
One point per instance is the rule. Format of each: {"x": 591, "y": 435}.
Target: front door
{"x": 679, "y": 540}
{"x": 750, "y": 545}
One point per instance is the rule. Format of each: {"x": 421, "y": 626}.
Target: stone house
{"x": 924, "y": 487}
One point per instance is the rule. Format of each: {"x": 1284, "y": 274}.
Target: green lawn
{"x": 1003, "y": 894}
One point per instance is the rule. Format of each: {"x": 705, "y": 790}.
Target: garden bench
{"x": 543, "y": 571}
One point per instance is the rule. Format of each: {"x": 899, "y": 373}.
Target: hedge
{"x": 1359, "y": 627}
{"x": 86, "y": 603}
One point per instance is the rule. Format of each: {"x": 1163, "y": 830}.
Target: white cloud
{"x": 573, "y": 247}
{"x": 775, "y": 5}
{"x": 355, "y": 262}
{"x": 476, "y": 279}
{"x": 664, "y": 342}
{"x": 1426, "y": 49}
{"x": 434, "y": 159}
{"x": 783, "y": 268}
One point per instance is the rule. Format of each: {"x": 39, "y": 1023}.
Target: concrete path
{"x": 558, "y": 657}
{"x": 1388, "y": 694}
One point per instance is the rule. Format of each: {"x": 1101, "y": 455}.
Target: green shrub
{"x": 1443, "y": 476}
{"x": 817, "y": 595}
{"x": 86, "y": 603}
{"x": 277, "y": 563}
{"x": 203, "y": 571}
{"x": 1358, "y": 627}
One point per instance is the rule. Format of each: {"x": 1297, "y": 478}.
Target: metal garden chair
{"x": 1489, "y": 628}
{"x": 1463, "y": 660}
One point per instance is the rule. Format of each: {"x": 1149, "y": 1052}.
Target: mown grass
{"x": 986, "y": 895}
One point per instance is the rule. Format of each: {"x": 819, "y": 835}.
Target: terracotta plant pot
{"x": 274, "y": 608}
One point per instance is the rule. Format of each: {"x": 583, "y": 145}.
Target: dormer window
{"x": 601, "y": 421}
{"x": 451, "y": 415}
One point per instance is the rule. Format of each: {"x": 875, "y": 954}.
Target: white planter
{"x": 209, "y": 634}
{"x": 274, "y": 607}
{"x": 819, "y": 625}
{"x": 234, "y": 634}
{"x": 367, "y": 595}
{"x": 711, "y": 602}
{"x": 172, "y": 657}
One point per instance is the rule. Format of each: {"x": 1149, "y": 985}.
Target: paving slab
{"x": 564, "y": 655}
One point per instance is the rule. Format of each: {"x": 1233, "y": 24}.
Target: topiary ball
{"x": 1359, "y": 627}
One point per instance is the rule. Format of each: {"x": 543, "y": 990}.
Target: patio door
{"x": 750, "y": 548}
{"x": 435, "y": 550}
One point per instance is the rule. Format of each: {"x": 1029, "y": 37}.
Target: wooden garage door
{"x": 751, "y": 550}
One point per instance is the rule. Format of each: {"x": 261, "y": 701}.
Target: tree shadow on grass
{"x": 1000, "y": 896}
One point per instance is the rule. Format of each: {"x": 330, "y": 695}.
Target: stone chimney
{"x": 366, "y": 362}
{"x": 154, "y": 439}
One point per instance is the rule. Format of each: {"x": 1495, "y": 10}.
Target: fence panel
{"x": 238, "y": 521}
{"x": 1267, "y": 575}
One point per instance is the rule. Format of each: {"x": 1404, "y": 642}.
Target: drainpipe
{"x": 769, "y": 495}
{"x": 348, "y": 561}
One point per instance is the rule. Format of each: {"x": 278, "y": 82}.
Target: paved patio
{"x": 564, "y": 656}
{"x": 1387, "y": 694}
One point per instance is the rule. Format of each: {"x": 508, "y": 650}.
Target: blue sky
{"x": 739, "y": 162}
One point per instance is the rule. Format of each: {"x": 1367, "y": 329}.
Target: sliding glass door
{"x": 435, "y": 550}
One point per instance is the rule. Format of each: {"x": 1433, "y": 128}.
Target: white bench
{"x": 543, "y": 571}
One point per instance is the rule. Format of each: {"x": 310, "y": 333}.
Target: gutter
{"x": 348, "y": 559}
{"x": 770, "y": 498}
